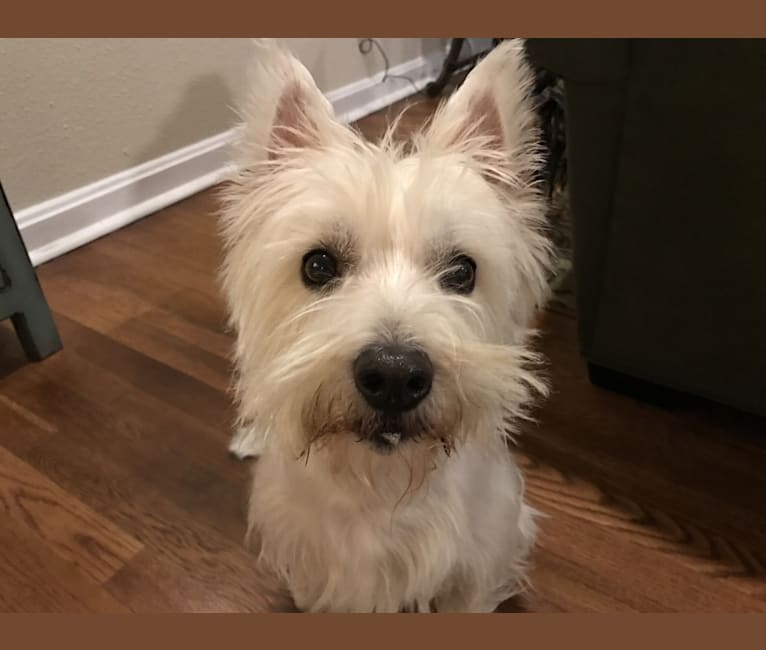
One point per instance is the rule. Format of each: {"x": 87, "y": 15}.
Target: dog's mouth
{"x": 383, "y": 432}
{"x": 386, "y": 433}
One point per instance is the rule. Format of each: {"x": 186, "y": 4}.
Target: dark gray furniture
{"x": 666, "y": 144}
{"x": 21, "y": 298}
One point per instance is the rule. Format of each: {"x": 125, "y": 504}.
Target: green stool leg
{"x": 21, "y": 297}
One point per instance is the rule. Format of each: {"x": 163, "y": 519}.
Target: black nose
{"x": 393, "y": 378}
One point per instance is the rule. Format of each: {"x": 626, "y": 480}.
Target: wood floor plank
{"x": 155, "y": 336}
{"x": 14, "y": 415}
{"x": 174, "y": 387}
{"x": 172, "y": 242}
{"x": 645, "y": 525}
{"x": 34, "y": 580}
{"x": 156, "y": 471}
{"x": 92, "y": 301}
{"x": 189, "y": 513}
{"x": 61, "y": 522}
{"x": 700, "y": 583}
{"x": 134, "y": 429}
{"x": 151, "y": 272}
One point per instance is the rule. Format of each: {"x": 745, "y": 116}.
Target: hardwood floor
{"x": 117, "y": 492}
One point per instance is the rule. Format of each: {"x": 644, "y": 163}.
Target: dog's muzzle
{"x": 393, "y": 379}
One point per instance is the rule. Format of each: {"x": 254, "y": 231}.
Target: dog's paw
{"x": 247, "y": 442}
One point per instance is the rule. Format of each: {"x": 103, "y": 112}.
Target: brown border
{"x": 538, "y": 18}
{"x": 549, "y": 18}
{"x": 370, "y": 632}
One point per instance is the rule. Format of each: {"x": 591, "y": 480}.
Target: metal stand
{"x": 453, "y": 64}
{"x": 21, "y": 298}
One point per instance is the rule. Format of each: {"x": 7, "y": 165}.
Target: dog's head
{"x": 381, "y": 295}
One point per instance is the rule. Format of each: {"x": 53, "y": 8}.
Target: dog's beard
{"x": 327, "y": 417}
{"x": 391, "y": 456}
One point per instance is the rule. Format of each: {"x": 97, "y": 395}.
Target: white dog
{"x": 382, "y": 297}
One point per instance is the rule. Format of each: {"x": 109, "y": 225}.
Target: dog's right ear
{"x": 285, "y": 112}
{"x": 491, "y": 117}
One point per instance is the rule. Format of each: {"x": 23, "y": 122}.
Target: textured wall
{"x": 73, "y": 111}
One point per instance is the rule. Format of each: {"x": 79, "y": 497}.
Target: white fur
{"x": 247, "y": 442}
{"x": 347, "y": 528}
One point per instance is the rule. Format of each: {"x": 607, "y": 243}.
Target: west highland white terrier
{"x": 382, "y": 298}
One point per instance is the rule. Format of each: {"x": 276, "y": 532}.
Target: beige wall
{"x": 73, "y": 111}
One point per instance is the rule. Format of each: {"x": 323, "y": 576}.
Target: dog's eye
{"x": 460, "y": 276}
{"x": 319, "y": 268}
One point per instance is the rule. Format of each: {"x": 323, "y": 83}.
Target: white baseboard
{"x": 68, "y": 221}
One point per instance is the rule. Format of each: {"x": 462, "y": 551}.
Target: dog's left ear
{"x": 286, "y": 113}
{"x": 491, "y": 117}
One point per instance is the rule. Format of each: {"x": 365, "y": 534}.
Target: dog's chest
{"x": 345, "y": 553}
{"x": 342, "y": 551}
{"x": 384, "y": 560}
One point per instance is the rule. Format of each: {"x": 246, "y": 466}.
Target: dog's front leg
{"x": 462, "y": 599}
